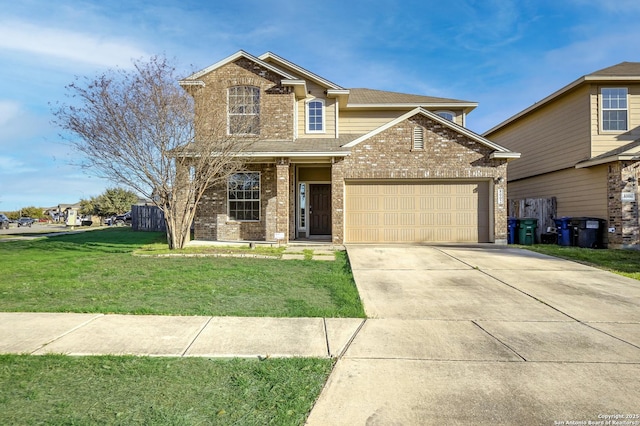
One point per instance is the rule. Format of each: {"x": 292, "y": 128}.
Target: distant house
{"x": 347, "y": 165}
{"x": 581, "y": 145}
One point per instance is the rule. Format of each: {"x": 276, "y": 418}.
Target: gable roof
{"x": 499, "y": 151}
{"x": 624, "y": 71}
{"x": 271, "y": 57}
{"x": 349, "y": 98}
{"x": 232, "y": 58}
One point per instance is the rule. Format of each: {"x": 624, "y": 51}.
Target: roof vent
{"x": 418, "y": 137}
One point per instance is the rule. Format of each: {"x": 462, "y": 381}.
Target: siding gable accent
{"x": 499, "y": 151}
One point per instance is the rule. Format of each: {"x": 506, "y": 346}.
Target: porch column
{"x": 337, "y": 201}
{"x": 282, "y": 196}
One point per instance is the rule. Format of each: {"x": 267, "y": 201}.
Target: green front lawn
{"x": 105, "y": 271}
{"x": 57, "y": 390}
{"x": 622, "y": 262}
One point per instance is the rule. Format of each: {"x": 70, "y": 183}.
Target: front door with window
{"x": 320, "y": 209}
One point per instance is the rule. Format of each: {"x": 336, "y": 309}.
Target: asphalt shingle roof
{"x": 303, "y": 145}
{"x": 360, "y": 96}
{"x": 620, "y": 70}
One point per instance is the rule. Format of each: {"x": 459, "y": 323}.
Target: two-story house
{"x": 346, "y": 165}
{"x": 581, "y": 145}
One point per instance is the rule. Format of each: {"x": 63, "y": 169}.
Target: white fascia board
{"x": 306, "y": 73}
{"x": 505, "y": 155}
{"x": 299, "y": 86}
{"x": 605, "y": 160}
{"x": 191, "y": 83}
{"x": 295, "y": 154}
{"x": 619, "y": 78}
{"x": 239, "y": 54}
{"x": 338, "y": 92}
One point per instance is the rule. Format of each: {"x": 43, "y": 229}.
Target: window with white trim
{"x": 315, "y": 116}
{"x": 446, "y": 114}
{"x": 418, "y": 137}
{"x": 614, "y": 109}
{"x": 244, "y": 110}
{"x": 244, "y": 196}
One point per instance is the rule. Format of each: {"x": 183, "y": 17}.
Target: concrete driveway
{"x": 486, "y": 335}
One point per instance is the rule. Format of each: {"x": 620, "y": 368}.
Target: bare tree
{"x": 139, "y": 128}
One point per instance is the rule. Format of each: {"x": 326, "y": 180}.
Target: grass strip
{"x": 621, "y": 262}
{"x": 56, "y": 389}
{"x": 97, "y": 272}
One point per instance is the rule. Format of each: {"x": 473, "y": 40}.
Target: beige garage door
{"x": 381, "y": 212}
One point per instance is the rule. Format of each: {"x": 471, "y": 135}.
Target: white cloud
{"x": 8, "y": 111}
{"x": 68, "y": 45}
{"x": 596, "y": 52}
{"x": 12, "y": 166}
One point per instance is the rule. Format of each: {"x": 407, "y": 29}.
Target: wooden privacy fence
{"x": 147, "y": 218}
{"x": 543, "y": 209}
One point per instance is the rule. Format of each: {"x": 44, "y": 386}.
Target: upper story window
{"x": 244, "y": 110}
{"x": 614, "y": 109}
{"x": 315, "y": 116}
{"x": 244, "y": 196}
{"x": 446, "y": 114}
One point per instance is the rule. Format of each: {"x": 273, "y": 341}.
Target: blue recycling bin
{"x": 565, "y": 231}
{"x": 512, "y": 226}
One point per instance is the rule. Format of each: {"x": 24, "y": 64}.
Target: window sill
{"x": 233, "y": 222}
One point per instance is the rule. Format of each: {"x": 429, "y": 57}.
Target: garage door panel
{"x": 417, "y": 212}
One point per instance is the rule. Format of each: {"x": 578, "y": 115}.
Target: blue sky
{"x": 503, "y": 54}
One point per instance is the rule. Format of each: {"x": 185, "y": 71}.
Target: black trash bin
{"x": 588, "y": 232}
{"x": 565, "y": 230}
{"x": 527, "y": 231}
{"x": 512, "y": 226}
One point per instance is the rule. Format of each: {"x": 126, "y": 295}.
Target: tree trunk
{"x": 178, "y": 228}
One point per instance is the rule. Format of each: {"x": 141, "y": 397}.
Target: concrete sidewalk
{"x": 174, "y": 336}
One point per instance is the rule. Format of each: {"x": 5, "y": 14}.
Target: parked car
{"x": 25, "y": 221}
{"x": 4, "y": 221}
{"x": 123, "y": 219}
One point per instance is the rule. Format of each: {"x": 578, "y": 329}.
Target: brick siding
{"x": 446, "y": 155}
{"x": 623, "y": 215}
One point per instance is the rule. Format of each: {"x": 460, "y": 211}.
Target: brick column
{"x": 282, "y": 196}
{"x": 500, "y": 205}
{"x": 623, "y": 213}
{"x": 337, "y": 201}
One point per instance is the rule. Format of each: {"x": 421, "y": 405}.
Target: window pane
{"x": 244, "y": 110}
{"x": 614, "y": 109}
{"x": 244, "y": 196}
{"x": 315, "y": 116}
